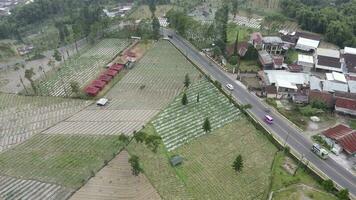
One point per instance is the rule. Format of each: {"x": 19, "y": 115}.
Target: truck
{"x": 321, "y": 152}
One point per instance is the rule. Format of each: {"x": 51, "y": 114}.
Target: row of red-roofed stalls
{"x": 98, "y": 84}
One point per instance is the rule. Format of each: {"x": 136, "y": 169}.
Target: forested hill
{"x": 336, "y": 20}
{"x": 83, "y": 12}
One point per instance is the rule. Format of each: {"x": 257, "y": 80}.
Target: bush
{"x": 328, "y": 185}
{"x": 319, "y": 104}
{"x": 309, "y": 110}
{"x": 271, "y": 102}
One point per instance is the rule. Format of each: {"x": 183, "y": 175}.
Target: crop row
{"x": 179, "y": 124}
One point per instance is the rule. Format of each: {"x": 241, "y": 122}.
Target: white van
{"x": 102, "y": 102}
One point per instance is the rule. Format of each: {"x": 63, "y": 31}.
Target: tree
{"x": 135, "y": 165}
{"x": 152, "y": 6}
{"x": 29, "y": 73}
{"x": 233, "y": 60}
{"x": 155, "y": 28}
{"x": 198, "y": 97}
{"x": 140, "y": 136}
{"x": 238, "y": 164}
{"x": 57, "y": 55}
{"x": 124, "y": 139}
{"x": 184, "y": 99}
{"x": 328, "y": 185}
{"x": 235, "y": 7}
{"x": 153, "y": 142}
{"x": 206, "y": 125}
{"x": 186, "y": 81}
{"x": 343, "y": 194}
{"x": 77, "y": 33}
{"x": 74, "y": 85}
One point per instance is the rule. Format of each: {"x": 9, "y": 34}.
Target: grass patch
{"x": 291, "y": 56}
{"x": 143, "y": 12}
{"x": 352, "y": 123}
{"x": 296, "y": 192}
{"x": 67, "y": 160}
{"x": 244, "y": 33}
{"x": 206, "y": 172}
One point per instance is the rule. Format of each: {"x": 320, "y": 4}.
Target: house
{"x": 256, "y": 39}
{"x": 331, "y": 86}
{"x": 345, "y": 106}
{"x": 306, "y": 44}
{"x": 294, "y": 68}
{"x": 278, "y": 62}
{"x": 265, "y": 59}
{"x": 350, "y": 59}
{"x": 272, "y": 44}
{"x": 287, "y": 83}
{"x": 306, "y": 61}
{"x": 242, "y": 48}
{"x": 328, "y": 59}
{"x": 336, "y": 77}
{"x": 315, "y": 83}
{"x": 324, "y": 97}
{"x": 341, "y": 135}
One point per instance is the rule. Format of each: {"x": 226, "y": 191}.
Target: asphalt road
{"x": 281, "y": 128}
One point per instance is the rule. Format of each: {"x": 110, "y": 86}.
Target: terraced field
{"x": 13, "y": 188}
{"x": 82, "y": 68}
{"x": 21, "y": 116}
{"x": 64, "y": 160}
{"x": 206, "y": 171}
{"x": 179, "y": 124}
{"x": 115, "y": 181}
{"x": 150, "y": 86}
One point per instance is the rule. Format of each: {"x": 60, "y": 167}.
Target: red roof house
{"x": 105, "y": 78}
{"x": 98, "y": 83}
{"x": 337, "y": 132}
{"x": 346, "y": 106}
{"x": 117, "y": 67}
{"x": 111, "y": 72}
{"x": 92, "y": 91}
{"x": 349, "y": 143}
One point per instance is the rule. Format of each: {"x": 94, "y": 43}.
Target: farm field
{"x": 146, "y": 89}
{"x": 82, "y": 68}
{"x": 206, "y": 171}
{"x": 115, "y": 181}
{"x": 13, "y": 188}
{"x": 23, "y": 116}
{"x": 179, "y": 124}
{"x": 59, "y": 159}
{"x": 143, "y": 12}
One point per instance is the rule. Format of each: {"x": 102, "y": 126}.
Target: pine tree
{"x": 184, "y": 99}
{"x": 186, "y": 81}
{"x": 206, "y": 125}
{"x": 238, "y": 164}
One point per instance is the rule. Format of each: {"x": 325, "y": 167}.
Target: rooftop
{"x": 315, "y": 83}
{"x": 286, "y": 79}
{"x": 308, "y": 42}
{"x": 329, "y": 62}
{"x": 305, "y": 58}
{"x": 328, "y": 52}
{"x": 335, "y": 76}
{"x": 337, "y": 132}
{"x": 349, "y": 143}
{"x": 332, "y": 86}
{"x": 352, "y": 86}
{"x": 272, "y": 40}
{"x": 265, "y": 57}
{"x": 349, "y": 50}
{"x": 349, "y": 104}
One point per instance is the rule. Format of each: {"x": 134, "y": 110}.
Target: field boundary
{"x": 259, "y": 126}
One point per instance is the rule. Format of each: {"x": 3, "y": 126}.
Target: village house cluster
{"x": 326, "y": 75}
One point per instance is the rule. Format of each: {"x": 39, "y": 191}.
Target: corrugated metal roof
{"x": 349, "y": 50}
{"x": 305, "y": 58}
{"x": 349, "y": 143}
{"x": 349, "y": 104}
{"x": 352, "y": 86}
{"x": 337, "y": 132}
{"x": 315, "y": 83}
{"x": 308, "y": 42}
{"x": 328, "y": 52}
{"x": 331, "y": 86}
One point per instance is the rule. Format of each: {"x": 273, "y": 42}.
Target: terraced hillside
{"x": 179, "y": 124}
{"x": 150, "y": 86}
{"x": 82, "y": 68}
{"x": 115, "y": 181}
{"x": 64, "y": 160}
{"x": 21, "y": 116}
{"x": 13, "y": 188}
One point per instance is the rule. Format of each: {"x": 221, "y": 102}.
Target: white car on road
{"x": 230, "y": 87}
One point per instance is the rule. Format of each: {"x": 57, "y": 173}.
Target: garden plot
{"x": 13, "y": 188}
{"x": 207, "y": 163}
{"x": 141, "y": 94}
{"x": 179, "y": 124}
{"x": 21, "y": 117}
{"x": 82, "y": 68}
{"x": 115, "y": 181}
{"x": 66, "y": 160}
{"x": 206, "y": 171}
